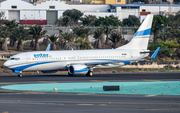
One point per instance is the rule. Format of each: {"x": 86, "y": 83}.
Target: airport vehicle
{"x": 84, "y": 61}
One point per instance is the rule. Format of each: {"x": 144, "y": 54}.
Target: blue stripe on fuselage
{"x": 20, "y": 68}
{"x": 142, "y": 33}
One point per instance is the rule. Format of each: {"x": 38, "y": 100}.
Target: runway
{"x": 13, "y": 101}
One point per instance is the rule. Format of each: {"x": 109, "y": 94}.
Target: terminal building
{"x": 47, "y": 12}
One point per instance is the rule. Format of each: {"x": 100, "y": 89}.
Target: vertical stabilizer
{"x": 48, "y": 47}
{"x": 141, "y": 37}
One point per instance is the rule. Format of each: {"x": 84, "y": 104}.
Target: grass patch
{"x": 3, "y": 60}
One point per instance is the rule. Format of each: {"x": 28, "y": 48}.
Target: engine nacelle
{"x": 78, "y": 69}
{"x": 48, "y": 71}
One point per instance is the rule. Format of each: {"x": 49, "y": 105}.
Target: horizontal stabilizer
{"x": 48, "y": 47}
{"x": 154, "y": 54}
{"x": 155, "y": 50}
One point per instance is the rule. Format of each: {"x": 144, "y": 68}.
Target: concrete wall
{"x": 124, "y": 13}
{"x": 90, "y": 8}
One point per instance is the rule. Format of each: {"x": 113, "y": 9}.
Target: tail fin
{"x": 48, "y": 47}
{"x": 141, "y": 37}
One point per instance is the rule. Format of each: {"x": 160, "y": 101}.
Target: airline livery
{"x": 84, "y": 61}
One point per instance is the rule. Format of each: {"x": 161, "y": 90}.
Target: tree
{"x": 165, "y": 45}
{"x": 14, "y": 37}
{"x": 53, "y": 39}
{"x": 2, "y": 17}
{"x": 74, "y": 14}
{"x": 88, "y": 20}
{"x": 132, "y": 20}
{"x": 11, "y": 24}
{"x": 81, "y": 32}
{"x": 107, "y": 31}
{"x": 107, "y": 21}
{"x": 63, "y": 21}
{"x": 67, "y": 37}
{"x": 22, "y": 34}
{"x": 115, "y": 37}
{"x": 158, "y": 24}
{"x": 4, "y": 35}
{"x": 174, "y": 20}
{"x": 97, "y": 35}
{"x": 36, "y": 33}
{"x": 11, "y": 27}
{"x": 83, "y": 44}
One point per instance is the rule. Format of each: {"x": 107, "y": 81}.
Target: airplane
{"x": 84, "y": 61}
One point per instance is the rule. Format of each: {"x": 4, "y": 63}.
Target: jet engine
{"x": 78, "y": 69}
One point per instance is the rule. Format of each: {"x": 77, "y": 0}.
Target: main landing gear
{"x": 70, "y": 74}
{"x": 89, "y": 74}
{"x": 20, "y": 75}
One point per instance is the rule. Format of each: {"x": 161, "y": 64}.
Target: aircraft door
{"x": 28, "y": 58}
{"x": 131, "y": 55}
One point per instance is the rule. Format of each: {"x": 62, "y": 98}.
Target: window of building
{"x": 51, "y": 7}
{"x": 118, "y": 0}
{"x": 143, "y": 10}
{"x": 13, "y": 6}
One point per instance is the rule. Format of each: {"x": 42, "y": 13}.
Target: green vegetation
{"x": 131, "y": 21}
{"x": 107, "y": 21}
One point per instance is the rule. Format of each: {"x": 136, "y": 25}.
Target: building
{"x": 26, "y": 13}
{"x": 141, "y": 10}
{"x": 46, "y": 13}
{"x": 109, "y": 1}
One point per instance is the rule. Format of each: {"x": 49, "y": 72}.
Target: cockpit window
{"x": 17, "y": 58}
{"x": 14, "y": 58}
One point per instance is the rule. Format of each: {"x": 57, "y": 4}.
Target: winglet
{"x": 48, "y": 47}
{"x": 154, "y": 54}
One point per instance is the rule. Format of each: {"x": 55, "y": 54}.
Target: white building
{"x": 48, "y": 12}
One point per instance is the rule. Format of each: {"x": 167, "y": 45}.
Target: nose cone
{"x": 6, "y": 64}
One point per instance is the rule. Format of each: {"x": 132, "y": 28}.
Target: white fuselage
{"x": 59, "y": 60}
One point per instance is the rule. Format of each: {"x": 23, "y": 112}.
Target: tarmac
{"x": 79, "y": 94}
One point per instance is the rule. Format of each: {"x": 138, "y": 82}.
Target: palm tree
{"x": 81, "y": 32}
{"x": 53, "y": 39}
{"x": 36, "y": 33}
{"x": 67, "y": 37}
{"x": 83, "y": 44}
{"x": 97, "y": 35}
{"x": 4, "y": 35}
{"x": 11, "y": 26}
{"x": 107, "y": 31}
{"x": 13, "y": 37}
{"x": 22, "y": 35}
{"x": 115, "y": 37}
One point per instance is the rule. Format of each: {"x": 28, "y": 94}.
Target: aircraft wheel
{"x": 90, "y": 74}
{"x": 70, "y": 74}
{"x": 19, "y": 75}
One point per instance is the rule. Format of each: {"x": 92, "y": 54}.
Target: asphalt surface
{"x": 46, "y": 102}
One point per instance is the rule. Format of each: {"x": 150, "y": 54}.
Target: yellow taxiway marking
{"x": 151, "y": 80}
{"x": 7, "y": 83}
{"x": 98, "y": 81}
